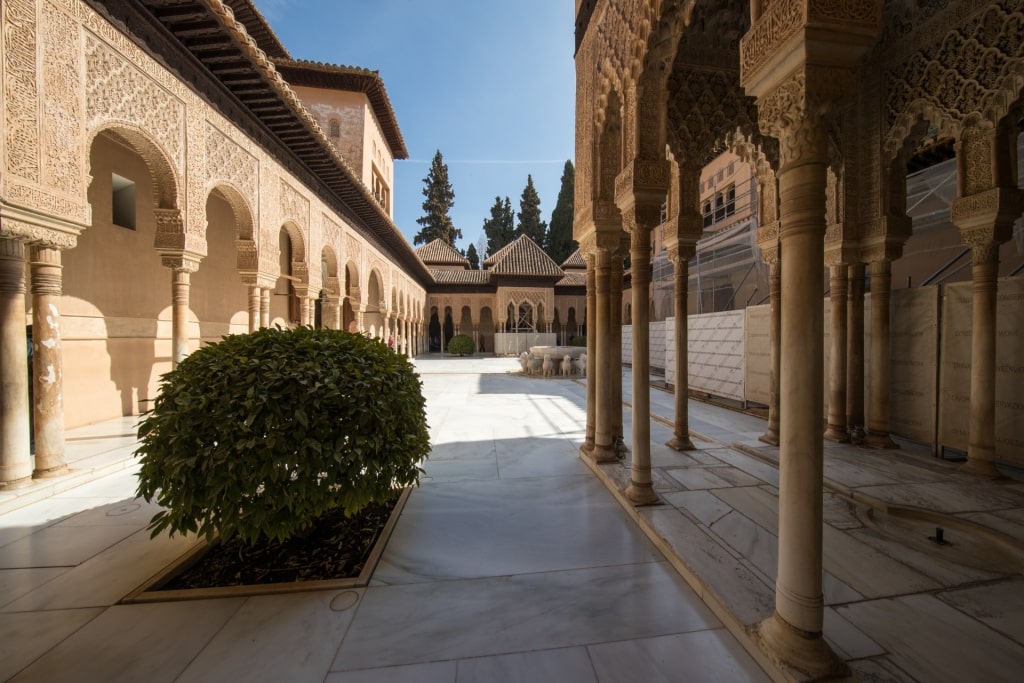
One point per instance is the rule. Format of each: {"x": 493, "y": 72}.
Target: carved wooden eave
{"x": 349, "y": 79}
{"x": 208, "y": 48}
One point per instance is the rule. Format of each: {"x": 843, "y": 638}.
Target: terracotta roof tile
{"x": 440, "y": 253}
{"x": 574, "y": 262}
{"x": 460, "y": 277}
{"x": 522, "y": 257}
{"x": 573, "y": 279}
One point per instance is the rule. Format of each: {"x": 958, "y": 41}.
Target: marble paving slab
{"x": 950, "y": 497}
{"x": 432, "y": 672}
{"x": 61, "y": 546}
{"x": 443, "y": 620}
{"x": 697, "y": 478}
{"x": 272, "y": 638}
{"x": 914, "y": 629}
{"x": 17, "y": 582}
{"x": 567, "y": 664}
{"x": 999, "y": 604}
{"x": 130, "y": 643}
{"x": 28, "y": 635}
{"x": 868, "y": 571}
{"x": 509, "y": 526}
{"x": 703, "y": 505}
{"x": 701, "y": 657}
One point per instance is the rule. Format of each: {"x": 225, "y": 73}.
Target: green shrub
{"x": 461, "y": 344}
{"x": 580, "y": 340}
{"x": 259, "y": 434}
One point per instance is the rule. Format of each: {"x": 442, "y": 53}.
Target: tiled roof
{"x": 522, "y": 257}
{"x": 573, "y": 279}
{"x": 440, "y": 253}
{"x": 443, "y": 276}
{"x": 574, "y": 262}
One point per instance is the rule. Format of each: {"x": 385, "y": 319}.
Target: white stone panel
{"x": 757, "y": 341}
{"x": 716, "y": 354}
{"x": 912, "y": 362}
{"x": 657, "y": 345}
{"x": 670, "y": 351}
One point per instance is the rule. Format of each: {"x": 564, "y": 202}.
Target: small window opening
{"x": 123, "y": 202}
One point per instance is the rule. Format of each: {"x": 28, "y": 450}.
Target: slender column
{"x": 680, "y": 258}
{"x": 265, "y": 307}
{"x": 836, "y": 430}
{"x": 603, "y": 447}
{"x": 15, "y": 460}
{"x": 47, "y": 373}
{"x": 591, "y": 312}
{"x": 304, "y": 312}
{"x": 180, "y": 283}
{"x": 981, "y": 435}
{"x": 775, "y": 354}
{"x": 254, "y": 308}
{"x": 878, "y": 406}
{"x": 641, "y": 487}
{"x": 855, "y": 354}
{"x": 615, "y": 360}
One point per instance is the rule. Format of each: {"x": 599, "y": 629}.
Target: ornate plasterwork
{"x": 229, "y": 162}
{"x": 965, "y": 61}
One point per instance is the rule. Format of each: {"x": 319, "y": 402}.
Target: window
{"x": 719, "y": 207}
{"x": 334, "y": 128}
{"x": 708, "y": 218}
{"x": 122, "y": 202}
{"x": 730, "y": 200}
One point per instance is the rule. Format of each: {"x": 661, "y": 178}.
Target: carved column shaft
{"x": 775, "y": 347}
{"x": 878, "y": 406}
{"x": 47, "y": 374}
{"x": 591, "y": 306}
{"x": 603, "y": 448}
{"x": 254, "y": 308}
{"x": 855, "y": 353}
{"x": 615, "y": 359}
{"x": 981, "y": 446}
{"x": 15, "y": 460}
{"x": 265, "y": 307}
{"x": 836, "y": 430}
{"x": 681, "y": 427}
{"x": 180, "y": 284}
{"x": 641, "y": 487}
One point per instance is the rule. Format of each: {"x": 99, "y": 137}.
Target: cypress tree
{"x": 559, "y": 242}
{"x": 530, "y": 223}
{"x": 500, "y": 227}
{"x": 440, "y": 197}
{"x": 473, "y": 257}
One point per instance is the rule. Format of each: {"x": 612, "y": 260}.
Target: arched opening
{"x": 217, "y": 295}
{"x": 348, "y": 314}
{"x": 374, "y": 315}
{"x": 448, "y": 329}
{"x": 572, "y": 326}
{"x": 285, "y": 304}
{"x": 434, "y": 330}
{"x": 486, "y": 342}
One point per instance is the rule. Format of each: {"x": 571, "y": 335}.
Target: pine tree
{"x": 439, "y": 200}
{"x": 559, "y": 244}
{"x": 530, "y": 223}
{"x": 500, "y": 227}
{"x": 473, "y": 257}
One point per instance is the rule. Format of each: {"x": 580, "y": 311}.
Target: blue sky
{"x": 490, "y": 84}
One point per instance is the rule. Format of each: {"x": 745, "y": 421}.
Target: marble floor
{"x": 511, "y": 562}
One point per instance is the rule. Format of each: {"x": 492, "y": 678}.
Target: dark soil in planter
{"x": 335, "y": 548}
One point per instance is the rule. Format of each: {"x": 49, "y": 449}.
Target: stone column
{"x": 641, "y": 488}
{"x": 303, "y": 309}
{"x": 855, "y": 354}
{"x": 771, "y": 257}
{"x": 590, "y": 313}
{"x": 47, "y": 373}
{"x": 265, "y": 307}
{"x": 680, "y": 258}
{"x": 836, "y": 429}
{"x": 878, "y": 405}
{"x": 615, "y": 360}
{"x": 15, "y": 459}
{"x": 181, "y": 273}
{"x": 254, "y": 308}
{"x": 603, "y": 450}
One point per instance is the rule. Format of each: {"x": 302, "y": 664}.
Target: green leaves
{"x": 258, "y": 434}
{"x": 461, "y": 345}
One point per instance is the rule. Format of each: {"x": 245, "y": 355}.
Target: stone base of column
{"x": 52, "y": 472}
{"x": 805, "y": 653}
{"x": 856, "y": 435}
{"x": 771, "y": 437}
{"x": 16, "y": 484}
{"x": 600, "y": 453}
{"x": 620, "y": 447}
{"x": 982, "y": 468}
{"x": 681, "y": 443}
{"x": 838, "y": 434}
{"x": 642, "y": 494}
{"x": 879, "y": 440}
{"x": 587, "y": 448}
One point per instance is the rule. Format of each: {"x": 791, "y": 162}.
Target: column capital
{"x": 681, "y": 252}
{"x": 46, "y": 270}
{"x": 642, "y": 180}
{"x": 186, "y": 263}
{"x": 992, "y": 211}
{"x": 172, "y": 235}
